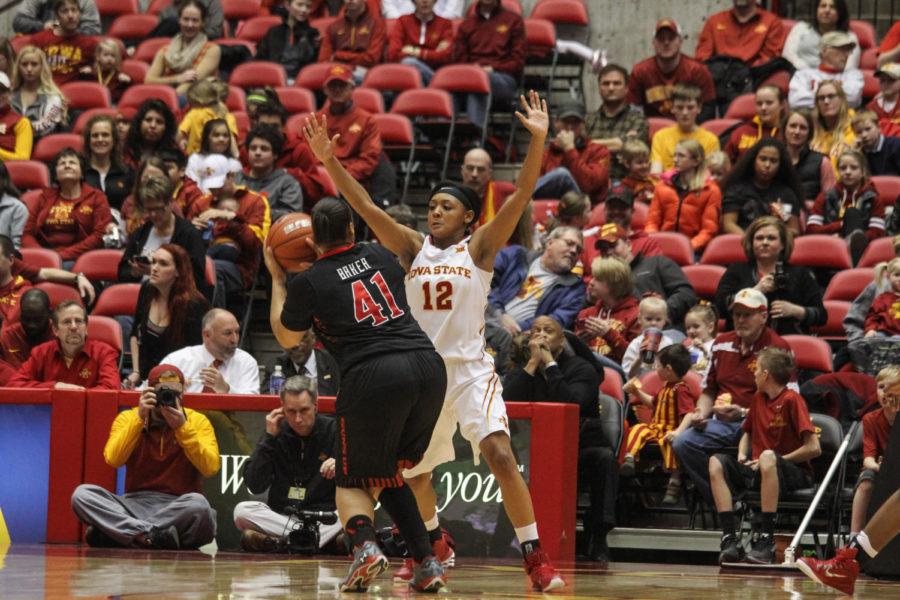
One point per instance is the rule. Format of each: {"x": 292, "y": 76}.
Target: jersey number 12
{"x": 365, "y": 307}
{"x": 443, "y": 295}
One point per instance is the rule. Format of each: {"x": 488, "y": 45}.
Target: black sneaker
{"x": 762, "y": 549}
{"x": 599, "y": 550}
{"x": 163, "y": 539}
{"x": 732, "y": 550}
{"x": 97, "y": 539}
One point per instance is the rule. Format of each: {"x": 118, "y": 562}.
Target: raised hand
{"x": 316, "y": 134}
{"x": 536, "y": 118}
{"x": 275, "y": 270}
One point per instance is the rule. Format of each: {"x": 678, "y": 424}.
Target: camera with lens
{"x": 780, "y": 277}
{"x": 167, "y": 397}
{"x": 304, "y": 539}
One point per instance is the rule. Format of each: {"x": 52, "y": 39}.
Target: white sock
{"x": 527, "y": 533}
{"x": 863, "y": 540}
{"x": 432, "y": 523}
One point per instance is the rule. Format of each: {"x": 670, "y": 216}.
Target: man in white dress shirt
{"x": 834, "y": 50}
{"x": 218, "y": 365}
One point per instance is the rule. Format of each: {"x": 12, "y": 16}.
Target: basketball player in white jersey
{"x": 448, "y": 279}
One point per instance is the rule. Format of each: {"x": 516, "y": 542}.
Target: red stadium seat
{"x": 781, "y": 80}
{"x": 297, "y": 100}
{"x": 676, "y": 246}
{"x": 638, "y": 216}
{"x": 833, "y": 329}
{"x": 41, "y": 258}
{"x": 114, "y": 8}
{"x": 719, "y": 126}
{"x": 540, "y": 36}
{"x": 258, "y": 73}
{"x": 136, "y": 95}
{"x": 871, "y": 85}
{"x": 132, "y": 27}
{"x": 294, "y": 124}
{"x": 250, "y": 46}
{"x": 398, "y": 140}
{"x": 810, "y": 352}
{"x": 136, "y": 69}
{"x": 743, "y": 107}
{"x": 467, "y": 79}
{"x": 393, "y": 77}
{"x": 49, "y": 146}
{"x": 146, "y": 50}
{"x": 256, "y": 28}
{"x": 322, "y": 24}
{"x": 157, "y": 6}
{"x": 657, "y": 123}
{"x": 368, "y": 99}
{"x": 99, "y": 265}
{"x": 117, "y": 300}
{"x": 788, "y": 24}
{"x": 82, "y": 120}
{"x": 612, "y": 384}
{"x": 209, "y": 272}
{"x": 241, "y": 9}
{"x": 312, "y": 76}
{"x": 542, "y": 210}
{"x": 108, "y": 330}
{"x": 431, "y": 106}
{"x": 865, "y": 33}
{"x": 83, "y": 95}
{"x": 30, "y": 200}
{"x": 821, "y": 251}
{"x": 20, "y": 41}
{"x": 888, "y": 187}
{"x": 878, "y": 251}
{"x": 704, "y": 279}
{"x": 724, "y": 249}
{"x": 243, "y": 123}
{"x": 59, "y": 292}
{"x": 236, "y": 100}
{"x": 869, "y": 59}
{"x": 561, "y": 12}
{"x": 28, "y": 174}
{"x": 847, "y": 285}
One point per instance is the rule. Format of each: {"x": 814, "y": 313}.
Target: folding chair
{"x": 847, "y": 285}
{"x": 368, "y": 99}
{"x": 431, "y": 111}
{"x": 146, "y": 50}
{"x": 657, "y": 123}
{"x": 743, "y": 108}
{"x": 465, "y": 79}
{"x": 810, "y": 354}
{"x": 82, "y": 120}
{"x": 135, "y": 69}
{"x": 99, "y": 265}
{"x": 83, "y": 95}
{"x": 570, "y": 18}
{"x": 297, "y": 100}
{"x": 255, "y": 28}
{"x": 28, "y": 174}
{"x": 676, "y": 246}
{"x": 833, "y": 329}
{"x": 258, "y": 73}
{"x": 398, "y": 141}
{"x": 49, "y": 146}
{"x": 540, "y": 41}
{"x": 41, "y": 258}
{"x": 59, "y": 292}
{"x": 117, "y": 300}
{"x": 821, "y": 251}
{"x": 724, "y": 249}
{"x": 719, "y": 126}
{"x": 133, "y": 27}
{"x": 878, "y": 251}
{"x": 704, "y": 279}
{"x": 313, "y": 76}
{"x": 136, "y": 95}
{"x": 108, "y": 330}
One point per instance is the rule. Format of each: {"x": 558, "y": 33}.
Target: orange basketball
{"x": 287, "y": 239}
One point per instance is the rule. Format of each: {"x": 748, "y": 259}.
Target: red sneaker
{"x": 444, "y": 552}
{"x": 543, "y": 576}
{"x": 839, "y": 573}
{"x": 405, "y": 573}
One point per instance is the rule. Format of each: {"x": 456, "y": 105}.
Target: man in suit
{"x": 315, "y": 363}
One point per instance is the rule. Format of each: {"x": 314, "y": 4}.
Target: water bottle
{"x": 276, "y": 381}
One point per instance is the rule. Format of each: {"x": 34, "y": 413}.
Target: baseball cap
{"x": 165, "y": 374}
{"x": 338, "y": 73}
{"x": 610, "y": 233}
{"x": 667, "y": 24}
{"x": 214, "y": 169}
{"x": 571, "y": 108}
{"x": 750, "y": 298}
{"x": 890, "y": 69}
{"x": 620, "y": 193}
{"x": 4, "y": 80}
{"x": 837, "y": 39}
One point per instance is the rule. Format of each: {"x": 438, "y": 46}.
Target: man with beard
{"x": 217, "y": 365}
{"x": 33, "y": 328}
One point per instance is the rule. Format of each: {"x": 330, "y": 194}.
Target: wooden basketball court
{"x": 64, "y": 571}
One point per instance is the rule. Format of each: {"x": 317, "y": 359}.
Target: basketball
{"x": 287, "y": 239}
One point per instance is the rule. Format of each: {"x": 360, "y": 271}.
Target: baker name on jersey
{"x": 439, "y": 270}
{"x": 353, "y": 269}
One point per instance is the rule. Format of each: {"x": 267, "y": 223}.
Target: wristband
{"x": 552, "y": 363}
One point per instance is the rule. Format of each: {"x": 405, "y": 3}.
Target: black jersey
{"x": 355, "y": 299}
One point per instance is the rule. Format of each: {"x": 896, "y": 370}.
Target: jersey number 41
{"x": 366, "y": 308}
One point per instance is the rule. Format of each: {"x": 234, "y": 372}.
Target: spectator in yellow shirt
{"x": 686, "y": 105}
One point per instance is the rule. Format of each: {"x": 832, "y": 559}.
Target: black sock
{"x": 435, "y": 535}
{"x": 767, "y": 522}
{"x": 401, "y": 505}
{"x": 360, "y": 530}
{"x": 529, "y": 546}
{"x": 727, "y": 519}
{"x": 861, "y": 555}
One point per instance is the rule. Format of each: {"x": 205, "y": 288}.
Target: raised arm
{"x": 490, "y": 238}
{"x": 399, "y": 239}
{"x": 285, "y": 337}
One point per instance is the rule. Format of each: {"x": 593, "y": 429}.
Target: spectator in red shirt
{"x": 731, "y": 384}
{"x": 422, "y": 39}
{"x": 494, "y": 39}
{"x": 67, "y": 50}
{"x": 572, "y": 162}
{"x": 12, "y": 284}
{"x": 889, "y": 50}
{"x": 609, "y": 325}
{"x": 886, "y": 104}
{"x": 777, "y": 443}
{"x": 357, "y": 38}
{"x": 767, "y": 123}
{"x": 33, "y": 328}
{"x": 652, "y": 79}
{"x": 71, "y": 361}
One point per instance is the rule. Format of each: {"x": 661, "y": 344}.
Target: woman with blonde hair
{"x": 34, "y": 95}
{"x": 107, "y": 69}
{"x": 612, "y": 322}
{"x": 833, "y": 133}
{"x": 687, "y": 200}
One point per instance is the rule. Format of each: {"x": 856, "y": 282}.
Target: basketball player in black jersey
{"x": 392, "y": 383}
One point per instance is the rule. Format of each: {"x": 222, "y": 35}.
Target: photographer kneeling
{"x": 294, "y": 460}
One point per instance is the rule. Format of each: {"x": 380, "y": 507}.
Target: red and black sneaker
{"x": 443, "y": 551}
{"x": 368, "y": 563}
{"x": 839, "y": 573}
{"x": 429, "y": 576}
{"x": 543, "y": 576}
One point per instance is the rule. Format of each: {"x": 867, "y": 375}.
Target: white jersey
{"x": 448, "y": 293}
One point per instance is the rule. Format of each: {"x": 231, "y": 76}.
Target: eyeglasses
{"x": 826, "y": 98}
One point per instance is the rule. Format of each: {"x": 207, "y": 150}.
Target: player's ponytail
{"x": 330, "y": 220}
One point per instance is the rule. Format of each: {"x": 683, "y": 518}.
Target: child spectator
{"x": 106, "y": 69}
{"x": 885, "y": 104}
{"x": 207, "y": 100}
{"x": 221, "y": 245}
{"x": 686, "y": 106}
{"x": 852, "y": 208}
{"x": 610, "y": 325}
{"x": 882, "y": 152}
{"x": 653, "y": 313}
{"x": 876, "y": 432}
{"x": 635, "y": 158}
{"x": 778, "y": 441}
{"x": 215, "y": 139}
{"x": 701, "y": 324}
{"x": 35, "y": 95}
{"x": 719, "y": 166}
{"x": 67, "y": 50}
{"x": 673, "y": 402}
{"x": 883, "y": 318}
{"x": 687, "y": 200}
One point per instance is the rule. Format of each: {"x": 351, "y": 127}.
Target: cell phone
{"x": 144, "y": 260}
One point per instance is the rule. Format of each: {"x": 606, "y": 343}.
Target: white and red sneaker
{"x": 544, "y": 577}
{"x": 442, "y": 551}
{"x": 839, "y": 573}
